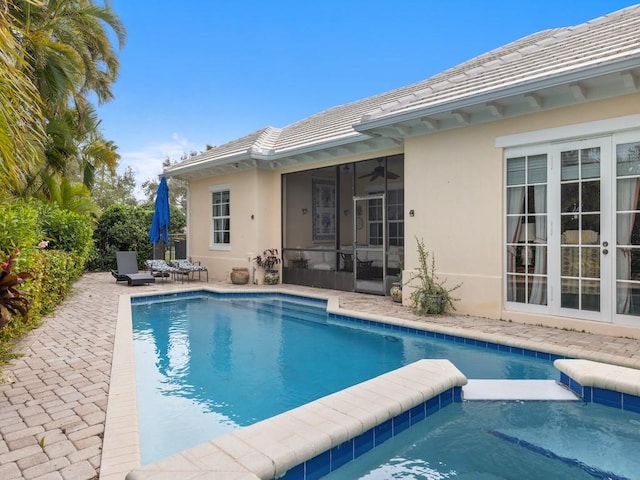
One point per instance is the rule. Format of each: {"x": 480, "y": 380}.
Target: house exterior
{"x": 520, "y": 170}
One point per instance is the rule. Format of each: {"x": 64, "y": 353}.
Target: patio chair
{"x": 185, "y": 266}
{"x": 160, "y": 268}
{"x": 127, "y": 263}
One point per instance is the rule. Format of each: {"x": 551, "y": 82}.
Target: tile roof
{"x": 262, "y": 140}
{"x": 537, "y": 57}
{"x": 543, "y": 55}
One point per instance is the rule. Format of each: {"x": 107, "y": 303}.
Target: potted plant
{"x": 396, "y": 287}
{"x": 430, "y": 295}
{"x": 268, "y": 260}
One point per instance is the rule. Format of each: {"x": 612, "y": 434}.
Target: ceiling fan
{"x": 378, "y": 171}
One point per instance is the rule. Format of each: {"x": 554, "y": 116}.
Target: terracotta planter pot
{"x": 239, "y": 276}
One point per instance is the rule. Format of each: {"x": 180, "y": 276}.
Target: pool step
{"x": 516, "y": 390}
{"x": 284, "y": 310}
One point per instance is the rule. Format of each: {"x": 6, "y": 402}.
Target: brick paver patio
{"x": 53, "y": 399}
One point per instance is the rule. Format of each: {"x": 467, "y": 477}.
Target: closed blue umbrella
{"x": 161, "y": 221}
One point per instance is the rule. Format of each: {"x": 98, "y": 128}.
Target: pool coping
{"x": 316, "y": 438}
{"x": 121, "y": 452}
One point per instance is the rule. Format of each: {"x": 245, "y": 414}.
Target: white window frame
{"x": 374, "y": 203}
{"x": 376, "y": 191}
{"x": 216, "y": 189}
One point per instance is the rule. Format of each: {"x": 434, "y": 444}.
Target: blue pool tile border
{"x": 334, "y": 458}
{"x": 609, "y": 398}
{"x": 451, "y": 338}
{"x": 207, "y": 293}
{"x": 359, "y": 321}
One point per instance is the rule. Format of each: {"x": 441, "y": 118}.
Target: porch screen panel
{"x": 526, "y": 229}
{"x": 628, "y": 228}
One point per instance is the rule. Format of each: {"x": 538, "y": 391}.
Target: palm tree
{"x": 68, "y": 43}
{"x": 21, "y": 119}
{"x": 68, "y": 54}
{"x": 76, "y": 148}
{"x": 72, "y": 196}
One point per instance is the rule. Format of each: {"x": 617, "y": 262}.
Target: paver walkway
{"x": 53, "y": 399}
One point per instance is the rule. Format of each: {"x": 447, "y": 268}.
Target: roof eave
{"x": 236, "y": 158}
{"x": 253, "y": 158}
{"x": 494, "y": 95}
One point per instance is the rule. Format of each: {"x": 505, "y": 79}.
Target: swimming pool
{"x": 508, "y": 440}
{"x": 207, "y": 364}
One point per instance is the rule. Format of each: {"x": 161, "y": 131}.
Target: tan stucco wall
{"x": 255, "y": 219}
{"x": 454, "y": 182}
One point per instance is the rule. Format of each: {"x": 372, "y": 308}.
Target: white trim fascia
{"x": 199, "y": 165}
{"x": 576, "y": 131}
{"x": 348, "y": 139}
{"x": 492, "y": 94}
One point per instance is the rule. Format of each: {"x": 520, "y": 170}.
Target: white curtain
{"x": 628, "y": 190}
{"x": 515, "y": 201}
{"x": 539, "y": 288}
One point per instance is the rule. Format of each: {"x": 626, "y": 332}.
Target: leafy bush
{"x": 46, "y": 295}
{"x": 125, "y": 227}
{"x": 68, "y": 232}
{"x": 121, "y": 227}
{"x": 430, "y": 295}
{"x": 18, "y": 227}
{"x": 54, "y": 246}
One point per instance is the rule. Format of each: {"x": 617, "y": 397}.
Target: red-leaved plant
{"x": 12, "y": 300}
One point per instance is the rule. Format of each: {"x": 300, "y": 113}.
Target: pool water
{"x": 208, "y": 364}
{"x": 508, "y": 440}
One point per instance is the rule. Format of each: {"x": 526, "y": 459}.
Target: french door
{"x": 573, "y": 229}
{"x": 581, "y": 229}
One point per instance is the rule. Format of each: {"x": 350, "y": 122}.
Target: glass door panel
{"x": 580, "y": 229}
{"x": 628, "y": 228}
{"x": 527, "y": 230}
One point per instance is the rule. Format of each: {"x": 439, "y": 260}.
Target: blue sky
{"x": 201, "y": 72}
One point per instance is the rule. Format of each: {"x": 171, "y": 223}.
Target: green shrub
{"x": 68, "y": 232}
{"x": 18, "y": 227}
{"x": 46, "y": 295}
{"x": 54, "y": 246}
{"x": 126, "y": 227}
{"x": 121, "y": 227}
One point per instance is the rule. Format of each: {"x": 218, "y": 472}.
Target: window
{"x": 395, "y": 218}
{"x": 221, "y": 217}
{"x": 374, "y": 209}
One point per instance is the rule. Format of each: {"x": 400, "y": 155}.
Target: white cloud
{"x": 146, "y": 162}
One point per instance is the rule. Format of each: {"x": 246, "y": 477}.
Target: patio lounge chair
{"x": 128, "y": 270}
{"x": 185, "y": 266}
{"x": 160, "y": 268}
